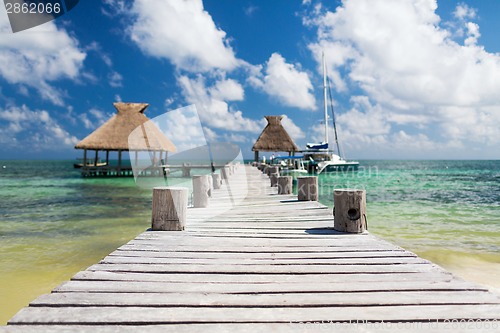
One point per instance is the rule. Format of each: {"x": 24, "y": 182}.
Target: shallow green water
{"x": 428, "y": 204}
{"x": 54, "y": 223}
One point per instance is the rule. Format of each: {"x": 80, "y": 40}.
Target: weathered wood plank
{"x": 148, "y": 315}
{"x": 155, "y": 287}
{"x": 263, "y": 269}
{"x": 261, "y": 261}
{"x": 222, "y": 248}
{"x": 326, "y": 326}
{"x": 267, "y": 300}
{"x": 265, "y": 255}
{"x": 262, "y": 278}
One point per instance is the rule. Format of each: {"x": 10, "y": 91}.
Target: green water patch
{"x": 33, "y": 263}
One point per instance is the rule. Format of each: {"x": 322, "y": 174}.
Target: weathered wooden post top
{"x": 169, "y": 208}
{"x": 274, "y": 138}
{"x": 128, "y": 130}
{"x": 349, "y": 210}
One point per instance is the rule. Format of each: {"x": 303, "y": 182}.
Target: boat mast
{"x": 325, "y": 97}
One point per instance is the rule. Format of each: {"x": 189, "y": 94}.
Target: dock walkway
{"x": 268, "y": 264}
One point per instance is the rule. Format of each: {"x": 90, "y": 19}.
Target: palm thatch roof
{"x": 128, "y": 129}
{"x": 274, "y": 137}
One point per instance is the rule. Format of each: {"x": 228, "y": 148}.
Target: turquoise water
{"x": 451, "y": 204}
{"x": 54, "y": 223}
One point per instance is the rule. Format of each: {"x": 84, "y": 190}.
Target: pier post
{"x": 285, "y": 185}
{"x": 169, "y": 208}
{"x": 224, "y": 173}
{"x": 210, "y": 182}
{"x": 307, "y": 188}
{"x": 216, "y": 181}
{"x": 349, "y": 210}
{"x": 200, "y": 191}
{"x": 273, "y": 175}
{"x": 186, "y": 170}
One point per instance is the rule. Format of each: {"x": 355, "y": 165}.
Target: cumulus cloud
{"x": 94, "y": 118}
{"x": 39, "y": 56}
{"x": 24, "y": 128}
{"x": 214, "y": 112}
{"x": 292, "y": 129}
{"x": 115, "y": 79}
{"x": 285, "y": 82}
{"x": 410, "y": 70}
{"x": 228, "y": 90}
{"x": 181, "y": 31}
{"x": 464, "y": 12}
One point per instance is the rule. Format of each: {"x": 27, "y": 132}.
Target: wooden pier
{"x": 270, "y": 263}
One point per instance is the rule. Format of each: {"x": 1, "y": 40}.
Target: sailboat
{"x": 319, "y": 157}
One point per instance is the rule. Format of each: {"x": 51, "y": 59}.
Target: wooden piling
{"x": 350, "y": 211}
{"x": 307, "y": 188}
{"x": 285, "y": 185}
{"x": 275, "y": 173}
{"x": 169, "y": 208}
{"x": 210, "y": 182}
{"x": 216, "y": 181}
{"x": 200, "y": 191}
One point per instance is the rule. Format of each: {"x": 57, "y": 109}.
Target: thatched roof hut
{"x": 114, "y": 134}
{"x": 274, "y": 138}
{"x": 128, "y": 130}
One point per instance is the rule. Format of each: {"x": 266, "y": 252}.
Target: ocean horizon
{"x": 54, "y": 223}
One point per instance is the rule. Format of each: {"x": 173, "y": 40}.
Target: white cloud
{"x": 463, "y": 12}
{"x": 182, "y": 126}
{"x": 94, "y": 118}
{"x": 183, "y": 32}
{"x": 35, "y": 130}
{"x": 228, "y": 90}
{"x": 472, "y": 34}
{"x": 286, "y": 82}
{"x": 292, "y": 129}
{"x": 38, "y": 56}
{"x": 411, "y": 72}
{"x": 213, "y": 111}
{"x": 115, "y": 79}
{"x": 235, "y": 138}
{"x": 250, "y": 10}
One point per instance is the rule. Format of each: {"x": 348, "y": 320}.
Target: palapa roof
{"x": 128, "y": 129}
{"x": 274, "y": 137}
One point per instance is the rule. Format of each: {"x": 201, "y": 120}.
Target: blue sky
{"x": 411, "y": 78}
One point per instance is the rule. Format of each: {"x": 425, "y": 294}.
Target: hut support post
{"x": 107, "y": 157}
{"x": 96, "y": 157}
{"x": 256, "y": 156}
{"x": 119, "y": 161}
{"x": 84, "y": 158}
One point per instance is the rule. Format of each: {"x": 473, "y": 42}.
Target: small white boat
{"x": 89, "y": 163}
